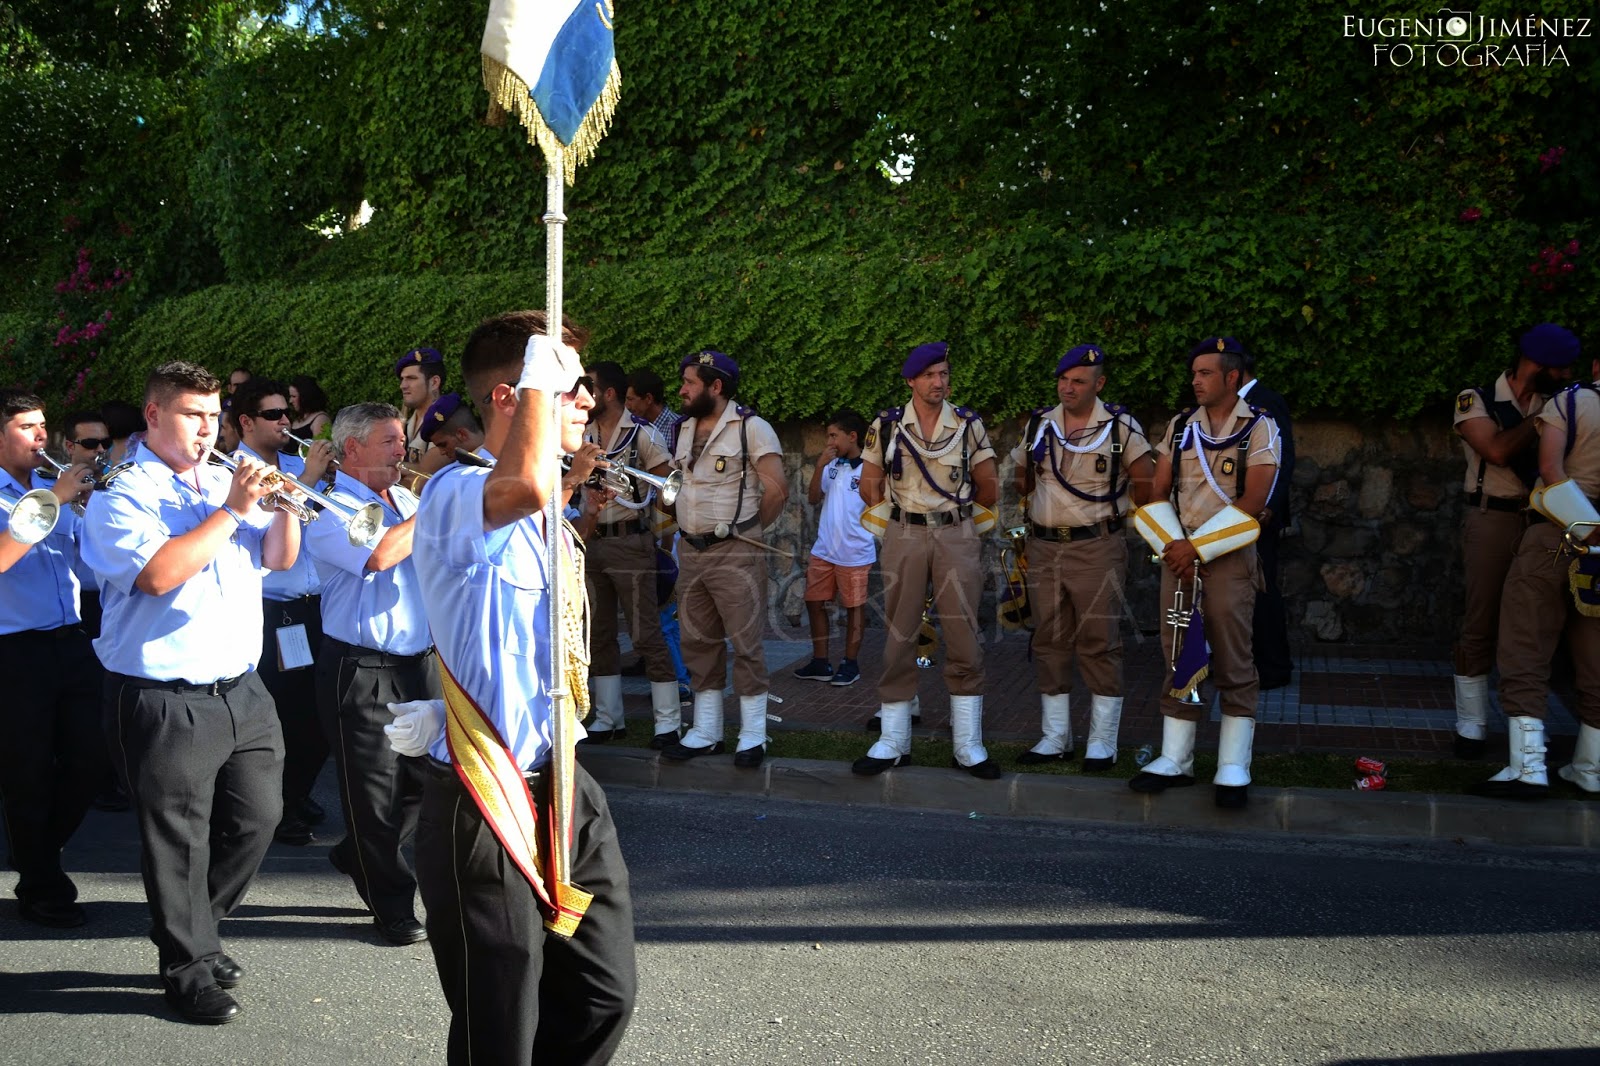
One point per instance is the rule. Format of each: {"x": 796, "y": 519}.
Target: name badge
{"x": 294, "y": 650}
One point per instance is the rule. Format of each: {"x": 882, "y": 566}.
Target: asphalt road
{"x": 780, "y": 932}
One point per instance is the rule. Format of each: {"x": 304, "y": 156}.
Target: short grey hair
{"x": 357, "y": 421}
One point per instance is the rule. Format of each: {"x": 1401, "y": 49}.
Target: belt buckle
{"x": 1064, "y": 532}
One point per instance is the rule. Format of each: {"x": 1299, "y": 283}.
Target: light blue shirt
{"x": 488, "y": 604}
{"x": 207, "y": 628}
{"x": 41, "y": 590}
{"x": 301, "y": 579}
{"x": 376, "y": 609}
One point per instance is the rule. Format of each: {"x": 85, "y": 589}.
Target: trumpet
{"x": 620, "y": 479}
{"x": 33, "y": 516}
{"x": 1178, "y": 617}
{"x": 364, "y": 525}
{"x": 464, "y": 458}
{"x": 101, "y": 478}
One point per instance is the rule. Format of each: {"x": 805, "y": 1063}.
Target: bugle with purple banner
{"x": 1191, "y": 655}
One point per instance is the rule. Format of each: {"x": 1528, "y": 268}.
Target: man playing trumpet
{"x": 1078, "y": 462}
{"x": 1215, "y": 468}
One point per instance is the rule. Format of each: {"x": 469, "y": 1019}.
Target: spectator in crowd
{"x": 844, "y": 552}
{"x": 309, "y": 405}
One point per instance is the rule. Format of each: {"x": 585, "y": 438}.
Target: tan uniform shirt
{"x": 415, "y": 445}
{"x": 1497, "y": 480}
{"x": 911, "y": 492}
{"x": 711, "y": 481}
{"x": 643, "y": 452}
{"x": 1088, "y": 472}
{"x": 1198, "y": 502}
{"x": 1583, "y": 461}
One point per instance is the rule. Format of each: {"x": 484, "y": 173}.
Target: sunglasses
{"x": 585, "y": 382}
{"x": 272, "y": 414}
{"x": 92, "y": 443}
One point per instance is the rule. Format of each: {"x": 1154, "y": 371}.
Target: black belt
{"x": 702, "y": 541}
{"x": 58, "y": 633}
{"x": 621, "y": 529}
{"x": 930, "y": 518}
{"x": 220, "y": 687}
{"x": 1508, "y": 504}
{"x": 443, "y": 771}
{"x": 371, "y": 657}
{"x": 1100, "y": 529}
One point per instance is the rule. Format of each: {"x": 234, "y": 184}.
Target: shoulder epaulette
{"x": 967, "y": 414}
{"x": 1258, "y": 410}
{"x": 891, "y": 414}
{"x": 1115, "y": 409}
{"x": 742, "y": 411}
{"x": 1040, "y": 412}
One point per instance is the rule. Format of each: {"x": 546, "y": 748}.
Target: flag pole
{"x": 555, "y": 220}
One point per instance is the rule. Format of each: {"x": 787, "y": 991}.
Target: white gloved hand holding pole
{"x": 549, "y": 366}
{"x": 416, "y": 726}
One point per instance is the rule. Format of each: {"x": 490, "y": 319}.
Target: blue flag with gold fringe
{"x": 552, "y": 64}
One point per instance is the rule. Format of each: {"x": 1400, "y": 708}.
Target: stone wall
{"x": 1373, "y": 554}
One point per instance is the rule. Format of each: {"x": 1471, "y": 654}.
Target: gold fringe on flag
{"x": 509, "y": 93}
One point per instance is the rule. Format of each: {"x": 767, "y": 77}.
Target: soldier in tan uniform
{"x": 733, "y": 486}
{"x": 621, "y": 567}
{"x": 1079, "y": 463}
{"x": 1552, "y": 591}
{"x": 1215, "y": 469}
{"x": 938, "y": 463}
{"x": 1499, "y": 435}
{"x": 421, "y": 374}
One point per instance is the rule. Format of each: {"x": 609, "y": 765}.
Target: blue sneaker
{"x": 815, "y": 670}
{"x": 847, "y": 674}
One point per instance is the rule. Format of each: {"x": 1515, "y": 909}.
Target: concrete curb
{"x": 1301, "y": 811}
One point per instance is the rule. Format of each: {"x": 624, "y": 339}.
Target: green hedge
{"x": 1347, "y": 320}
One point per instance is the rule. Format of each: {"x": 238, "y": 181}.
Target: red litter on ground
{"x": 1371, "y": 783}
{"x": 1365, "y": 765}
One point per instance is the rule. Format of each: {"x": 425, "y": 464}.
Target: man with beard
{"x": 621, "y": 567}
{"x": 1084, "y": 465}
{"x": 733, "y": 487}
{"x": 1500, "y": 435}
{"x": 932, "y": 461}
{"x": 1215, "y": 467}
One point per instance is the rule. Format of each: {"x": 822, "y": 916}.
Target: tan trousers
{"x": 622, "y": 571}
{"x": 1228, "y": 603}
{"x": 722, "y": 593}
{"x": 1075, "y": 593}
{"x": 1488, "y": 541}
{"x": 950, "y": 556}
{"x": 1535, "y": 611}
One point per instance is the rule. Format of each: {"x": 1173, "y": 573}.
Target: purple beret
{"x": 438, "y": 412}
{"x": 923, "y": 356}
{"x": 418, "y": 357}
{"x": 1082, "y": 355}
{"x": 1550, "y": 345}
{"x": 1229, "y": 345}
{"x": 711, "y": 360}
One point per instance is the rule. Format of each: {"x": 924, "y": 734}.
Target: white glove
{"x": 549, "y": 366}
{"x": 416, "y": 726}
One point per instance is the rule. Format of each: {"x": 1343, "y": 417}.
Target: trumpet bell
{"x": 669, "y": 487}
{"x": 365, "y": 527}
{"x": 33, "y": 516}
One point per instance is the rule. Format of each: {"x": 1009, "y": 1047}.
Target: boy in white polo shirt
{"x": 844, "y": 552}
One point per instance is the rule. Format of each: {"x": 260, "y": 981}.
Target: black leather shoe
{"x": 205, "y": 1006}
{"x": 401, "y": 930}
{"x": 227, "y": 972}
{"x": 1468, "y": 748}
{"x": 1273, "y": 681}
{"x": 750, "y": 758}
{"x": 293, "y": 831}
{"x": 987, "y": 770}
{"x": 1145, "y": 781}
{"x": 111, "y": 798}
{"x": 55, "y": 913}
{"x": 681, "y": 752}
{"x": 1034, "y": 758}
{"x": 1233, "y": 797}
{"x": 311, "y": 812}
{"x": 662, "y": 741}
{"x": 600, "y": 736}
{"x": 867, "y": 766}
{"x": 1092, "y": 765}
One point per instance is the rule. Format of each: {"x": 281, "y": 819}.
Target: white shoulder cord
{"x": 1048, "y": 425}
